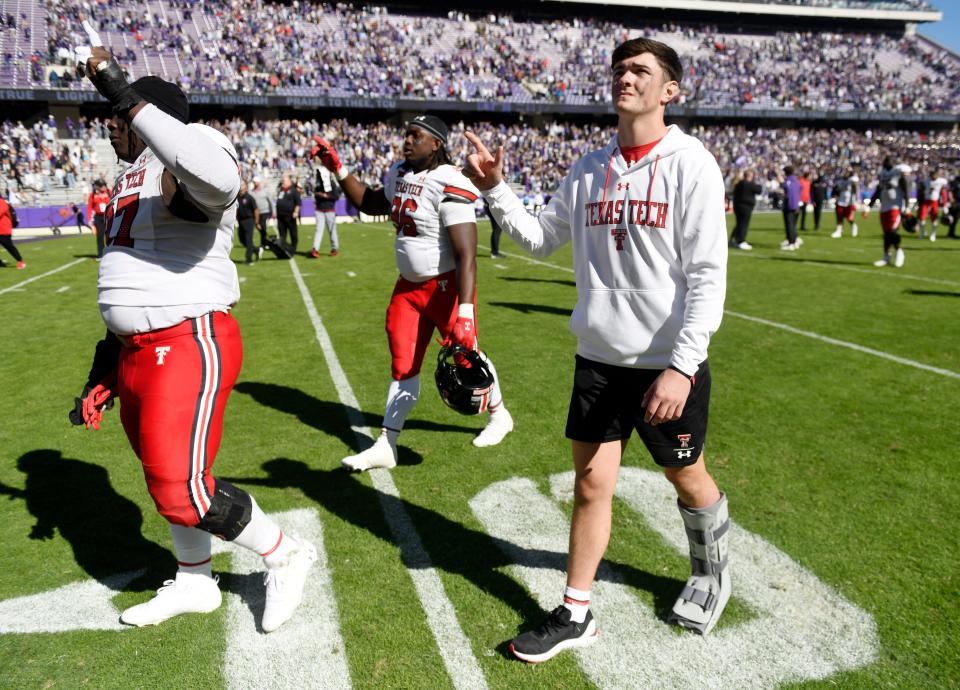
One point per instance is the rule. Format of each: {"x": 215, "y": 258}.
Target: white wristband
{"x": 342, "y": 173}
{"x": 465, "y": 311}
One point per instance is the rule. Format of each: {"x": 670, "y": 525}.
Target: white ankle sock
{"x": 192, "y": 547}
{"x": 578, "y": 601}
{"x": 264, "y": 536}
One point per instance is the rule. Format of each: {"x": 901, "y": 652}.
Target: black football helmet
{"x": 464, "y": 380}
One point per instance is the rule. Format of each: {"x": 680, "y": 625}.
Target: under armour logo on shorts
{"x": 161, "y": 351}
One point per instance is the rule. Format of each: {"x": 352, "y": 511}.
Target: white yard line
{"x": 14, "y": 288}
{"x": 881, "y": 272}
{"x": 455, "y": 648}
{"x": 844, "y": 343}
{"x": 308, "y": 652}
{"x": 798, "y": 331}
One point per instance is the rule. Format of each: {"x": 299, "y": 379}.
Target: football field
{"x": 833, "y": 430}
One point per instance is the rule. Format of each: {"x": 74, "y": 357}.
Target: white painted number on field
{"x": 802, "y": 629}
{"x": 78, "y": 606}
{"x": 307, "y": 652}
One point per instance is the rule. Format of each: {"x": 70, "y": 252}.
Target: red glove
{"x": 327, "y": 155}
{"x": 99, "y": 398}
{"x": 464, "y": 333}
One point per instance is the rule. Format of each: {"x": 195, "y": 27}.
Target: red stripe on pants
{"x": 173, "y": 389}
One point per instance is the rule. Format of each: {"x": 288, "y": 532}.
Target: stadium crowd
{"x": 35, "y": 158}
{"x": 310, "y": 48}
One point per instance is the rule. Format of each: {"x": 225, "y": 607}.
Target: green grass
{"x": 844, "y": 461}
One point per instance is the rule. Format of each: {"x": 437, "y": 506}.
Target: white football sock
{"x": 192, "y": 547}
{"x": 264, "y": 536}
{"x": 496, "y": 397}
{"x": 401, "y": 398}
{"x": 578, "y": 602}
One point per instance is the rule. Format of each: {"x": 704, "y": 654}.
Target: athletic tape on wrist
{"x": 342, "y": 173}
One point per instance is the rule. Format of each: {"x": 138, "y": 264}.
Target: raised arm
{"x": 540, "y": 236}
{"x": 202, "y": 166}
{"x": 373, "y": 202}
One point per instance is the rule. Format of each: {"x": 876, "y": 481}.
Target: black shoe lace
{"x": 554, "y": 623}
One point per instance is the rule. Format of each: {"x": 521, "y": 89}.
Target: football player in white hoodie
{"x": 645, "y": 215}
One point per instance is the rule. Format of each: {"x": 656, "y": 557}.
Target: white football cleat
{"x": 798, "y": 243}
{"x": 853, "y": 230}
{"x": 784, "y": 244}
{"x": 933, "y": 235}
{"x": 498, "y": 426}
{"x": 381, "y": 454}
{"x": 882, "y": 262}
{"x": 745, "y": 246}
{"x": 285, "y": 585}
{"x": 837, "y": 233}
{"x": 789, "y": 247}
{"x": 898, "y": 259}
{"x": 188, "y": 593}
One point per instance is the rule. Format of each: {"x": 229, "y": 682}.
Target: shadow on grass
{"x": 515, "y": 279}
{"x": 333, "y": 417}
{"x": 933, "y": 293}
{"x": 527, "y": 308}
{"x": 452, "y": 546}
{"x": 829, "y": 262}
{"x": 103, "y": 528}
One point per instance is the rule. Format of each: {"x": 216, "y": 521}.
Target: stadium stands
{"x": 34, "y": 160}
{"x": 311, "y": 49}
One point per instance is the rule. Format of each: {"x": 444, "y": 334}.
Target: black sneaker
{"x": 554, "y": 635}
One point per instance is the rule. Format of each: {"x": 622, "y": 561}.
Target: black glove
{"x": 112, "y": 85}
{"x": 103, "y": 374}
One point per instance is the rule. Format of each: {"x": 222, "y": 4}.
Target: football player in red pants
{"x": 173, "y": 350}
{"x": 432, "y": 205}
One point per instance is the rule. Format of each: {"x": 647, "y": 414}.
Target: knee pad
{"x": 229, "y": 513}
{"x": 707, "y": 591}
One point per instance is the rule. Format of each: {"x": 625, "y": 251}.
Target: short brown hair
{"x": 666, "y": 56}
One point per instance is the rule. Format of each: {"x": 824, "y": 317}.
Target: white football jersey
{"x": 168, "y": 267}
{"x": 935, "y": 188}
{"x": 847, "y": 190}
{"x": 422, "y": 206}
{"x": 891, "y": 195}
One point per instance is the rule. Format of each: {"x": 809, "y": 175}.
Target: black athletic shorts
{"x": 606, "y": 406}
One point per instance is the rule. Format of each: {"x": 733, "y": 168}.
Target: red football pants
{"x": 173, "y": 388}
{"x": 415, "y": 310}
{"x": 890, "y": 220}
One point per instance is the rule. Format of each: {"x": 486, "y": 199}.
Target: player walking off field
{"x": 892, "y": 193}
{"x": 431, "y": 204}
{"x": 847, "y": 193}
{"x": 930, "y": 204}
{"x": 173, "y": 350}
{"x": 645, "y": 215}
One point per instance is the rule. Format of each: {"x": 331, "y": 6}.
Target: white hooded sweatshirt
{"x": 649, "y": 250}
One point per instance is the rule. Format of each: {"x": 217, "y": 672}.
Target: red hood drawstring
{"x": 653, "y": 173}
{"x": 603, "y": 202}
